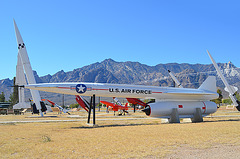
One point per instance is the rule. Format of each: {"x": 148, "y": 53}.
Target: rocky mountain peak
{"x": 108, "y": 61}
{"x": 110, "y": 71}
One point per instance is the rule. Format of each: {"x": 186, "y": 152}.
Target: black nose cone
{"x": 147, "y": 110}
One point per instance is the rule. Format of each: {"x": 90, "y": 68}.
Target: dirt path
{"x": 217, "y": 151}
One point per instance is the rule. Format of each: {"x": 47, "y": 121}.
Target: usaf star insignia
{"x": 81, "y": 88}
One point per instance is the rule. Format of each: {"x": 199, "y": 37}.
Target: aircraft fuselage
{"x": 125, "y": 91}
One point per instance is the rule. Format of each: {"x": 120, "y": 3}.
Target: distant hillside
{"x": 110, "y": 71}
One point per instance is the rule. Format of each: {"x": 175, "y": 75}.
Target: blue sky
{"x": 64, "y": 35}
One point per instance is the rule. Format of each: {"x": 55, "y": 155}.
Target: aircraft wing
{"x": 107, "y": 103}
{"x": 136, "y": 101}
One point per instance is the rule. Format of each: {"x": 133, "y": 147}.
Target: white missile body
{"x": 20, "y": 80}
{"x": 186, "y": 109}
{"x": 186, "y": 100}
{"x": 229, "y": 88}
{"x": 27, "y": 67}
{"x": 129, "y": 91}
{"x": 117, "y": 101}
{"x": 175, "y": 79}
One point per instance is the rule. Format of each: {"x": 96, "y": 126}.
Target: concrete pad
{"x": 187, "y": 120}
{"x": 164, "y": 121}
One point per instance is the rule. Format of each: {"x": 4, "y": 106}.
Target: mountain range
{"x": 110, "y": 71}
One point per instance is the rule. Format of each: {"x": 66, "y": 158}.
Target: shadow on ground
{"x": 113, "y": 125}
{"x": 223, "y": 120}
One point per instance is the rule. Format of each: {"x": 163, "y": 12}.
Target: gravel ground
{"x": 217, "y": 151}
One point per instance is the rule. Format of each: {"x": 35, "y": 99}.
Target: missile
{"x": 20, "y": 80}
{"x": 186, "y": 109}
{"x": 60, "y": 108}
{"x": 129, "y": 91}
{"x": 175, "y": 79}
{"x": 28, "y": 69}
{"x": 117, "y": 101}
{"x": 228, "y": 87}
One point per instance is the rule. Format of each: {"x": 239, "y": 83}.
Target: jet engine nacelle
{"x": 186, "y": 109}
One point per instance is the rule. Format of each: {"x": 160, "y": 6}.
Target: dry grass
{"x": 111, "y": 139}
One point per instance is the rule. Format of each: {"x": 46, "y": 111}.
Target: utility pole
{"x": 63, "y": 100}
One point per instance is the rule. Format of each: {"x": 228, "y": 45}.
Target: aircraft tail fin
{"x": 209, "y": 84}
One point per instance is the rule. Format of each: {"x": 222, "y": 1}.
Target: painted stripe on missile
{"x": 64, "y": 87}
{"x": 91, "y": 89}
{"x": 94, "y": 89}
{"x": 99, "y": 89}
{"x": 71, "y": 87}
{"x": 204, "y": 107}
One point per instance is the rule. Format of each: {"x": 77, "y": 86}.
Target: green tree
{"x": 74, "y": 105}
{"x": 100, "y": 105}
{"x": 238, "y": 96}
{"x": 2, "y": 97}
{"x": 227, "y": 101}
{"x": 13, "y": 99}
{"x": 219, "y": 99}
{"x": 149, "y": 100}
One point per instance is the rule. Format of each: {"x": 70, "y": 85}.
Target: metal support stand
{"x": 174, "y": 116}
{"x": 89, "y": 111}
{"x": 197, "y": 116}
{"x": 89, "y": 114}
{"x": 99, "y": 104}
{"x": 92, "y": 106}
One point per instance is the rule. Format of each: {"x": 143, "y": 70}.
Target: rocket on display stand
{"x": 228, "y": 88}
{"x": 22, "y": 54}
